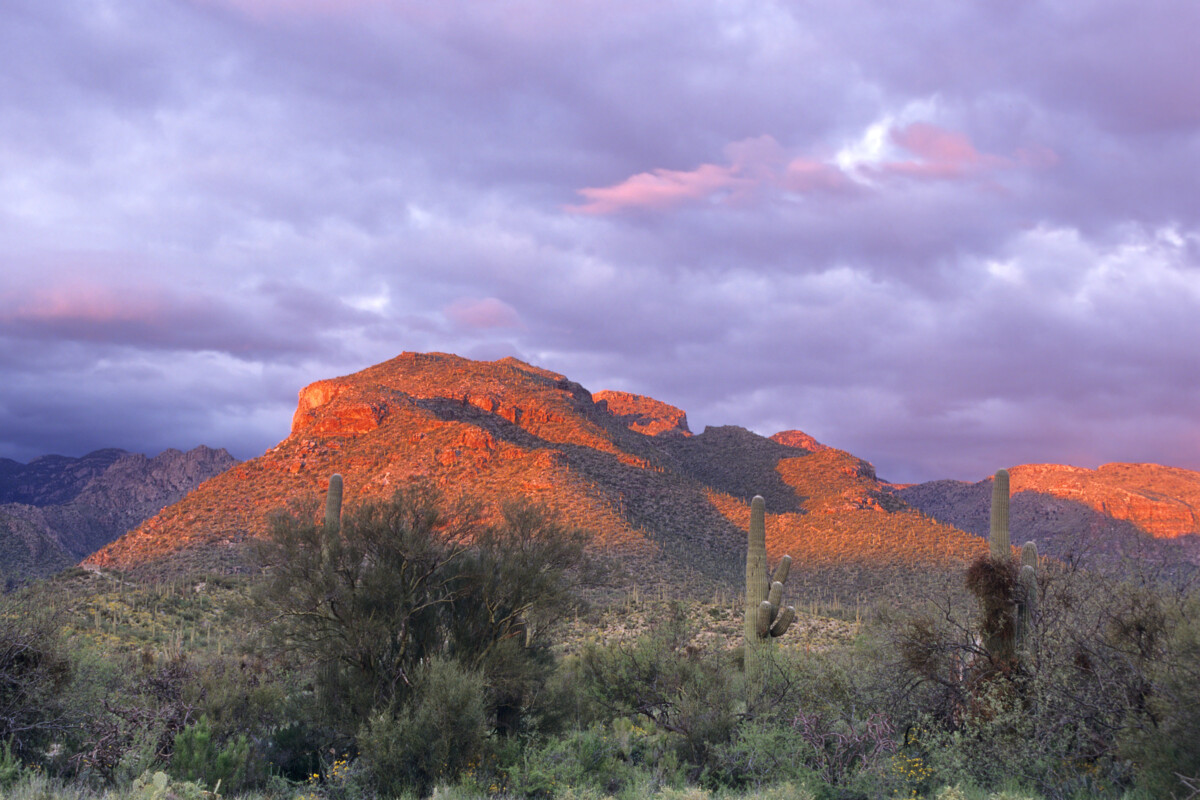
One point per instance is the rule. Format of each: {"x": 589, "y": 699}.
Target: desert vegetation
{"x": 416, "y": 646}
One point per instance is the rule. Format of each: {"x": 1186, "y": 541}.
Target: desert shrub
{"x": 412, "y": 579}
{"x": 621, "y": 756}
{"x": 516, "y": 580}
{"x": 160, "y": 786}
{"x": 1165, "y": 741}
{"x": 198, "y": 757}
{"x": 430, "y": 739}
{"x": 34, "y": 673}
{"x": 1102, "y": 689}
{"x": 760, "y": 754}
{"x": 133, "y": 730}
{"x": 11, "y": 768}
{"x": 665, "y": 679}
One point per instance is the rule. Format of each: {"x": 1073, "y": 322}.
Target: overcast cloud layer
{"x": 947, "y": 239}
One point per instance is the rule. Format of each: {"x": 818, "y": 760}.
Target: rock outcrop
{"x": 645, "y": 414}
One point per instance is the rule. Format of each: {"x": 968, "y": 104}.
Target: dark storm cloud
{"x": 945, "y": 241}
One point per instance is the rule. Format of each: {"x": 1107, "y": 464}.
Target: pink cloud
{"x": 81, "y": 303}
{"x": 940, "y": 153}
{"x": 761, "y": 164}
{"x": 267, "y": 9}
{"x": 487, "y": 312}
{"x": 805, "y": 175}
{"x": 660, "y": 189}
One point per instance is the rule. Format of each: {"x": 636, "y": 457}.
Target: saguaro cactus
{"x": 333, "y": 505}
{"x": 1027, "y": 605}
{"x": 998, "y": 538}
{"x": 765, "y": 616}
{"x": 1007, "y": 591}
{"x": 333, "y": 518}
{"x": 993, "y": 579}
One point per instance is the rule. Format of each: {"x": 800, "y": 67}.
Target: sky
{"x": 946, "y": 237}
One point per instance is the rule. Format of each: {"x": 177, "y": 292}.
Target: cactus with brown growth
{"x": 766, "y": 617}
{"x": 1007, "y": 591}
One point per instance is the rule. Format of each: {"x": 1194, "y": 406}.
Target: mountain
{"x": 57, "y": 510}
{"x": 670, "y": 504}
{"x": 1115, "y": 513}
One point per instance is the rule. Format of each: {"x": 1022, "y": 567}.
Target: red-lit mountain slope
{"x": 672, "y": 504}
{"x": 1116, "y": 512}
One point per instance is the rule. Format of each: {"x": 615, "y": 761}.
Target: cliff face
{"x": 1161, "y": 501}
{"x": 669, "y": 503}
{"x": 57, "y": 510}
{"x": 645, "y": 414}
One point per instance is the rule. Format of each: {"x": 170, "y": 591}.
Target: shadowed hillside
{"x": 57, "y": 510}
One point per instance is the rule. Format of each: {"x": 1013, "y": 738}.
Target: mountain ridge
{"x": 57, "y": 510}
{"x": 672, "y": 504}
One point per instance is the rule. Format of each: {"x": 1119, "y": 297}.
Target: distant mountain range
{"x": 57, "y": 510}
{"x": 671, "y": 505}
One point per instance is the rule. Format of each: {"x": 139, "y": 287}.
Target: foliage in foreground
{"x": 412, "y": 651}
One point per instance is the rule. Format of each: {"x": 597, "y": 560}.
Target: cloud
{"x": 759, "y": 168}
{"x": 661, "y": 189}
{"x": 485, "y": 313}
{"x": 942, "y": 240}
{"x": 939, "y": 153}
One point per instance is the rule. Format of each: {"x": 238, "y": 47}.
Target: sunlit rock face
{"x": 1117, "y": 515}
{"x": 1162, "y": 501}
{"x": 799, "y": 440}
{"x": 645, "y": 414}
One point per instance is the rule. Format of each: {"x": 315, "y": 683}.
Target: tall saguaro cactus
{"x": 765, "y": 617}
{"x": 333, "y": 504}
{"x": 998, "y": 538}
{"x": 333, "y": 517}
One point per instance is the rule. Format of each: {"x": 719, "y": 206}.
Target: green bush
{"x": 432, "y": 738}
{"x": 159, "y": 786}
{"x": 663, "y": 679}
{"x": 11, "y": 768}
{"x": 34, "y": 673}
{"x": 622, "y": 756}
{"x": 1164, "y": 742}
{"x": 198, "y": 758}
{"x": 412, "y": 579}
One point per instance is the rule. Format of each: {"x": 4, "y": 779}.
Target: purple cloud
{"x": 946, "y": 242}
